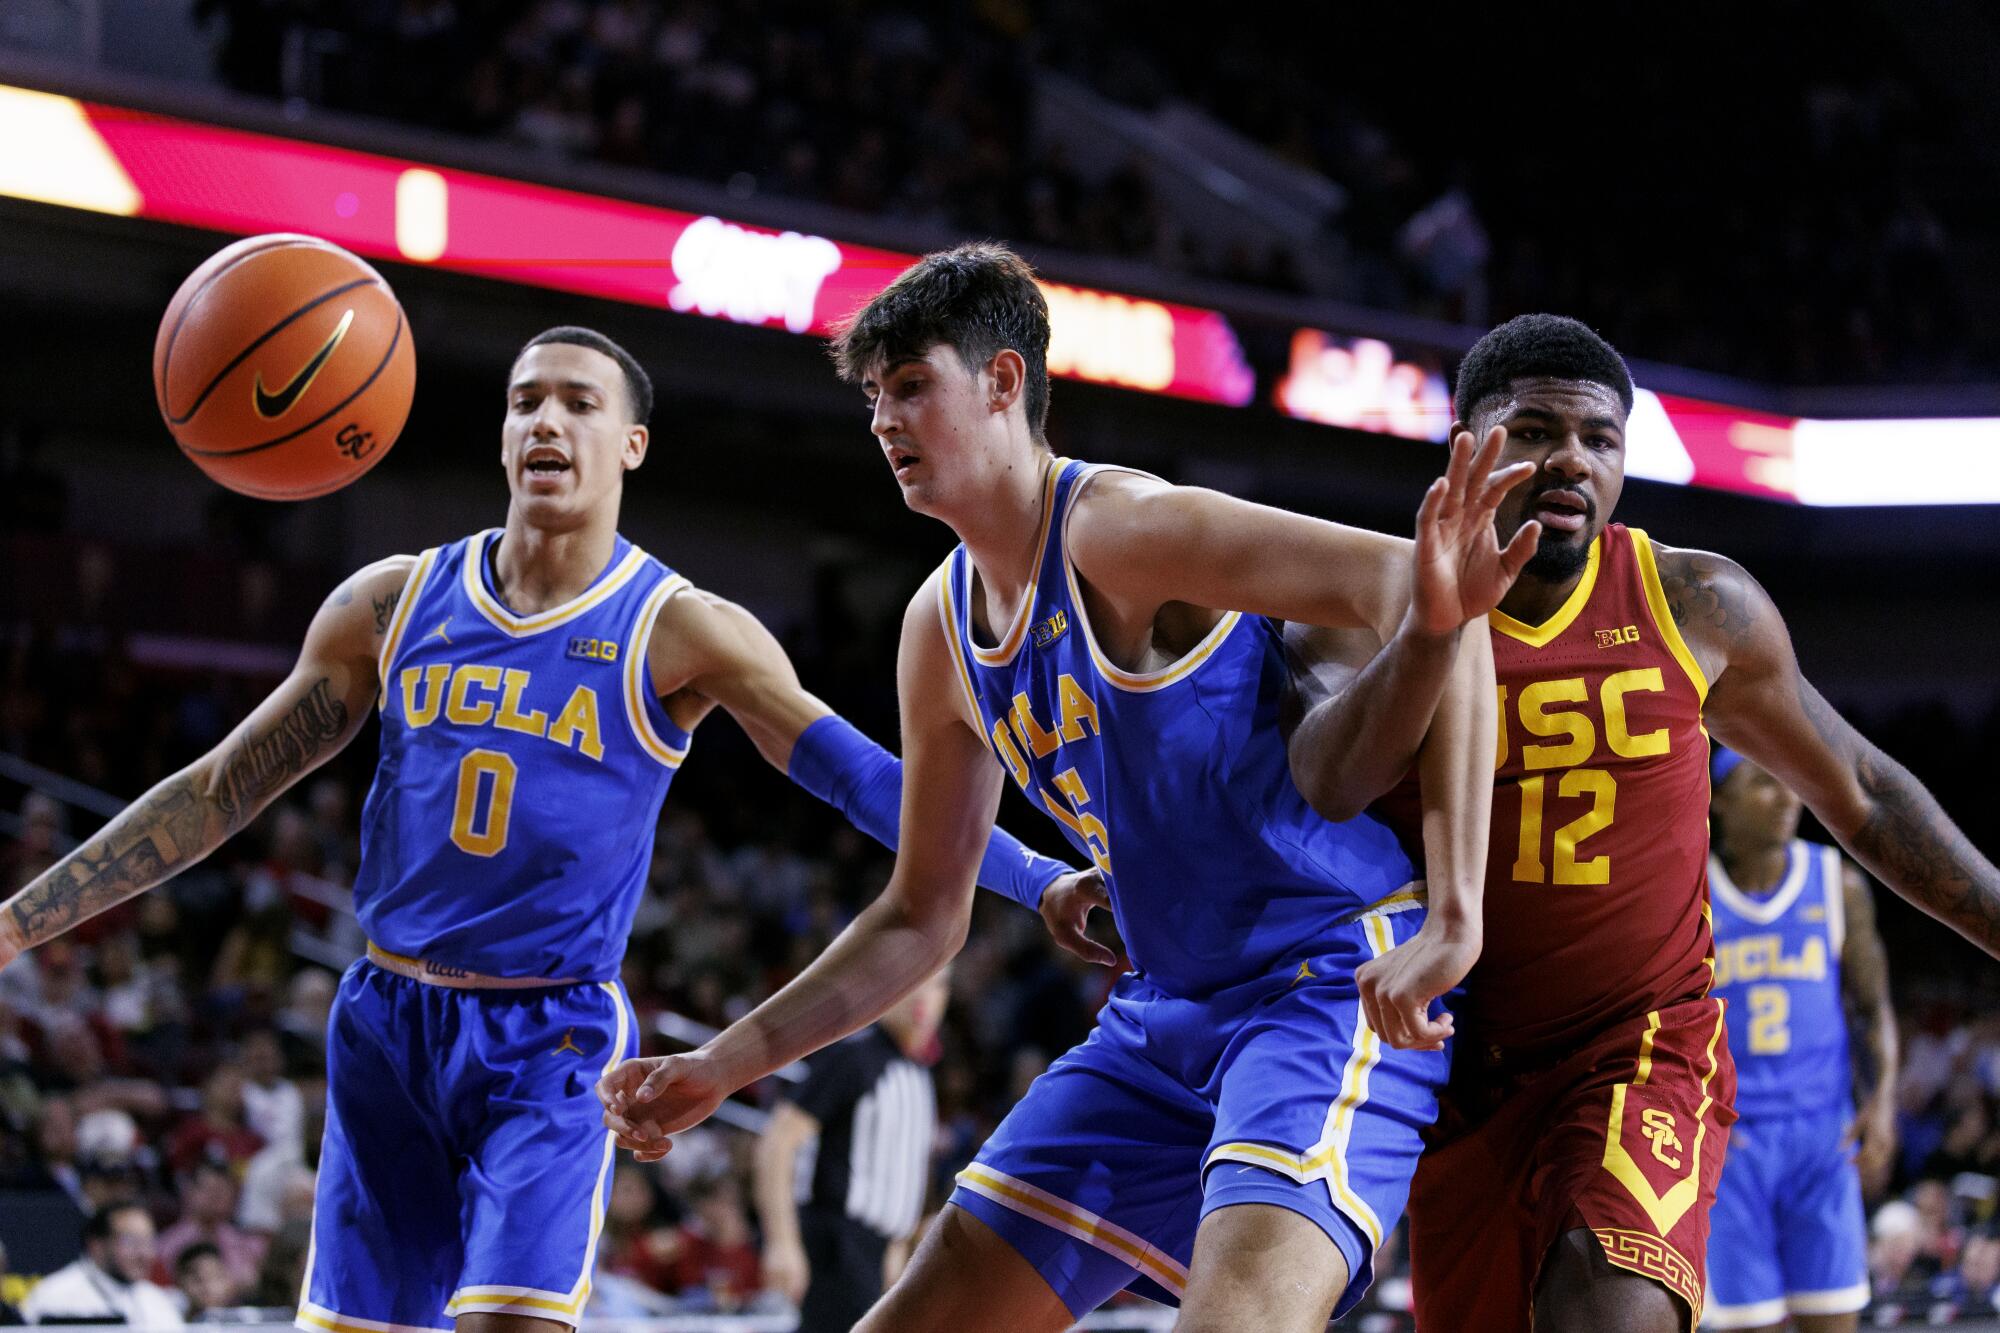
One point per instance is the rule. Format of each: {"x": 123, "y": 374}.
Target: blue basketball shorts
{"x": 1788, "y": 1234}
{"x": 1271, "y": 1092}
{"x": 466, "y": 1166}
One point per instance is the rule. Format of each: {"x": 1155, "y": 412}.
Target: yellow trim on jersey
{"x": 1136, "y": 682}
{"x": 1018, "y": 628}
{"x": 1071, "y": 1220}
{"x": 521, "y": 626}
{"x": 399, "y": 621}
{"x": 643, "y": 729}
{"x": 566, "y": 1306}
{"x": 1664, "y": 1210}
{"x": 1536, "y": 636}
{"x": 1328, "y": 1157}
{"x": 319, "y": 1319}
{"x": 948, "y": 611}
{"x": 1663, "y": 617}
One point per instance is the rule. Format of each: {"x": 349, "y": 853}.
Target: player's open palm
{"x": 647, "y": 1099}
{"x": 1462, "y": 570}
{"x": 1397, "y": 988}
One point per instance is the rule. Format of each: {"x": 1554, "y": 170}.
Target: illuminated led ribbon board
{"x": 60, "y": 150}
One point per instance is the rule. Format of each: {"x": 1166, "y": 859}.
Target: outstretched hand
{"x": 1462, "y": 572}
{"x": 1066, "y": 907}
{"x": 647, "y": 1099}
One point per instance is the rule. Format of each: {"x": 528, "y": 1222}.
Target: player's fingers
{"x": 1459, "y": 468}
{"x": 663, "y": 1076}
{"x": 1503, "y": 481}
{"x": 1483, "y": 460}
{"x": 1430, "y": 514}
{"x": 1073, "y": 941}
{"x": 1522, "y": 548}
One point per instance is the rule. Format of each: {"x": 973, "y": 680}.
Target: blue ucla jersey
{"x": 524, "y": 758}
{"x": 1174, "y": 782}
{"x": 1777, "y": 964}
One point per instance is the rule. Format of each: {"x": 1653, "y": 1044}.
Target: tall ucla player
{"x": 1799, "y": 963}
{"x": 1235, "y": 1134}
{"x": 538, "y": 687}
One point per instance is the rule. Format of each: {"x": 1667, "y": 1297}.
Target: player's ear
{"x": 634, "y": 451}
{"x": 1008, "y": 375}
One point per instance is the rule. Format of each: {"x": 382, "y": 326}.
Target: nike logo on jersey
{"x": 568, "y": 1044}
{"x": 1611, "y": 638}
{"x": 270, "y": 406}
{"x": 439, "y": 633}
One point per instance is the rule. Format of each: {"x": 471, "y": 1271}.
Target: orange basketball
{"x": 284, "y": 368}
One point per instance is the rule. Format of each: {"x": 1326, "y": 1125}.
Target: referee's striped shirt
{"x": 877, "y": 1115}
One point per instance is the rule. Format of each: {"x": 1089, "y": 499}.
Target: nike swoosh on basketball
{"x": 273, "y": 405}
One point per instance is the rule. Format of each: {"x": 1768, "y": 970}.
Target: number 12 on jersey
{"x": 1602, "y": 789}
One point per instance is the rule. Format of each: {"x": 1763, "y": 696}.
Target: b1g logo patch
{"x": 1051, "y": 629}
{"x": 1611, "y": 638}
{"x": 594, "y": 650}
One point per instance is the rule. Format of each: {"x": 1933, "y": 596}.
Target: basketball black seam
{"x": 323, "y": 417}
{"x": 167, "y": 358}
{"x": 262, "y": 338}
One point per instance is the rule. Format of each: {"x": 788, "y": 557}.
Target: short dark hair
{"x": 98, "y": 1225}
{"x": 638, "y": 385}
{"x": 187, "y": 1258}
{"x": 976, "y": 299}
{"x": 1534, "y": 347}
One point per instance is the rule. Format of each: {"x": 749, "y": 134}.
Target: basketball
{"x": 283, "y": 367}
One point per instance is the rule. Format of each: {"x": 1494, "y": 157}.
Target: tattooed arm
{"x": 1760, "y": 704}
{"x": 1871, "y": 1027}
{"x": 303, "y": 723}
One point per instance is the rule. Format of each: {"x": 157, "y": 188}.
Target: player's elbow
{"x": 1336, "y": 791}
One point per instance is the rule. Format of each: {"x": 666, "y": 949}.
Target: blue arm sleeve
{"x": 863, "y": 781}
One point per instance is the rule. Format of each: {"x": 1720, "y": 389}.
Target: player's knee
{"x": 1583, "y": 1292}
{"x": 1263, "y": 1267}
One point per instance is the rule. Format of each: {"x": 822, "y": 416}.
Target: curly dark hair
{"x": 1538, "y": 346}
{"x": 977, "y": 299}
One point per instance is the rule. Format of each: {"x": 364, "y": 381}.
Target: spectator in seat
{"x": 108, "y": 1284}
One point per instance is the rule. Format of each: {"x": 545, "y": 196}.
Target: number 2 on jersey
{"x": 1770, "y": 1008}
{"x": 1602, "y": 789}
{"x": 480, "y": 826}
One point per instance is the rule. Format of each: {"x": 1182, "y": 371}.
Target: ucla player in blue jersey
{"x": 1237, "y": 1133}
{"x": 538, "y": 684}
{"x": 1799, "y": 963}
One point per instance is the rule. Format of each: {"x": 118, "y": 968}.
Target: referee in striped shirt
{"x": 843, "y": 1167}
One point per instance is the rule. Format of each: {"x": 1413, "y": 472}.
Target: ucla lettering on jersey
{"x": 1777, "y": 964}
{"x": 524, "y": 759}
{"x": 1174, "y": 782}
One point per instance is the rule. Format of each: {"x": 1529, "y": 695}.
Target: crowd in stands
{"x": 1814, "y": 250}
{"x": 170, "y": 1052}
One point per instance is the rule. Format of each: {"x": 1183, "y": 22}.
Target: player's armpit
{"x": 1760, "y": 704}
{"x": 1350, "y": 732}
{"x": 709, "y": 647}
{"x": 302, "y": 723}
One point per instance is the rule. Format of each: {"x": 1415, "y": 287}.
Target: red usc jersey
{"x": 1597, "y": 880}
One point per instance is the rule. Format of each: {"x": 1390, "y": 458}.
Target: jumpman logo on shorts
{"x": 439, "y": 633}
{"x": 567, "y": 1044}
{"x": 1305, "y": 973}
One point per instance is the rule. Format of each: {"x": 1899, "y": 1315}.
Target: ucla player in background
{"x": 1235, "y": 1134}
{"x": 538, "y": 685}
{"x": 1803, "y": 972}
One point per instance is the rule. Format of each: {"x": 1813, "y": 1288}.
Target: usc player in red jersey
{"x": 1567, "y": 1183}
